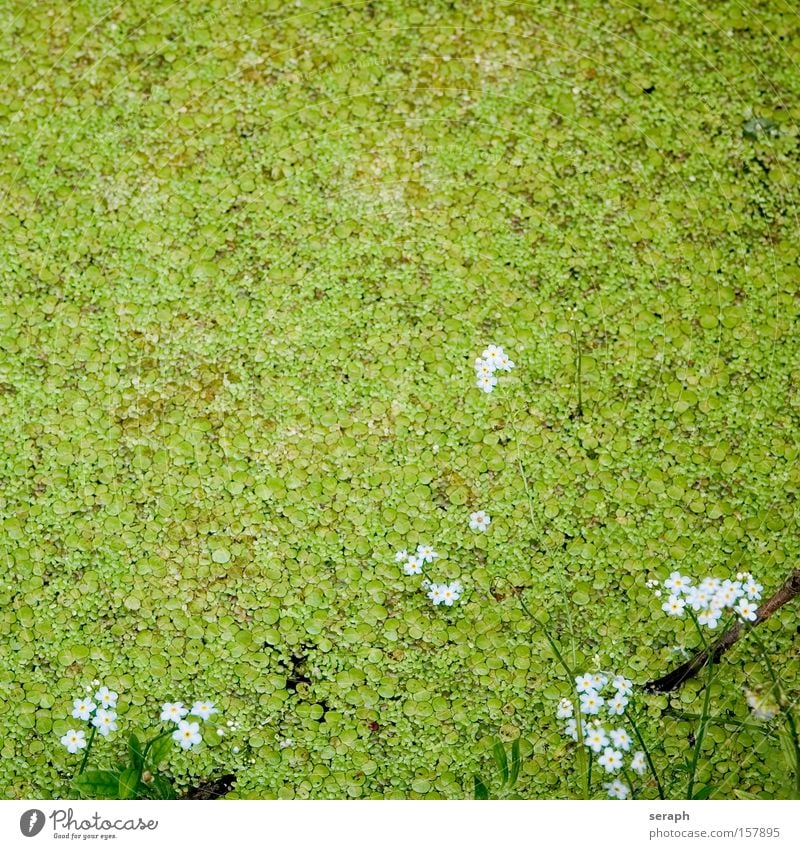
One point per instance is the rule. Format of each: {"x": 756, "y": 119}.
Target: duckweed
{"x": 250, "y": 253}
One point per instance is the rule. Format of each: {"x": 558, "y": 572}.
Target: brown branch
{"x": 687, "y": 670}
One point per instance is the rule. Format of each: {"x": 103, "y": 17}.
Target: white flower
{"x": 426, "y": 553}
{"x": 413, "y": 566}
{"x": 401, "y": 556}
{"x": 486, "y": 382}
{"x": 479, "y": 521}
{"x": 484, "y": 368}
{"x": 493, "y": 354}
{"x": 638, "y": 763}
{"x": 591, "y": 702}
{"x": 595, "y": 738}
{"x": 617, "y": 789}
{"x": 710, "y": 585}
{"x": 571, "y": 729}
{"x": 673, "y": 606}
{"x": 285, "y": 744}
{"x": 753, "y": 590}
{"x": 187, "y": 734}
{"x": 565, "y": 709}
{"x": 621, "y": 739}
{"x": 623, "y": 686}
{"x": 203, "y": 709}
{"x": 105, "y": 721}
{"x": 451, "y": 592}
{"x": 82, "y": 708}
{"x": 599, "y": 681}
{"x": 727, "y": 594}
{"x": 746, "y": 610}
{"x": 698, "y": 599}
{"x": 107, "y": 698}
{"x": 611, "y": 759}
{"x": 709, "y": 618}
{"x": 74, "y": 740}
{"x": 436, "y": 593}
{"x": 584, "y": 683}
{"x": 677, "y": 583}
{"x": 173, "y": 712}
{"x": 504, "y": 363}
{"x": 617, "y": 705}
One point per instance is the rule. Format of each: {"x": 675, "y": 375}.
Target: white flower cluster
{"x": 492, "y": 360}
{"x": 608, "y": 744}
{"x": 104, "y": 718}
{"x": 444, "y": 593}
{"x": 412, "y": 565}
{"x": 711, "y": 597}
{"x": 187, "y": 733}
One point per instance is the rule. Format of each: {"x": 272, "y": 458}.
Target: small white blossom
{"x": 584, "y": 683}
{"x": 401, "y": 556}
{"x": 105, "y": 721}
{"x": 173, "y": 712}
{"x": 426, "y": 553}
{"x": 599, "y": 681}
{"x": 483, "y": 368}
{"x": 747, "y": 610}
{"x": 504, "y": 363}
{"x": 493, "y": 354}
{"x": 709, "y": 617}
{"x": 617, "y": 705}
{"x": 677, "y": 583}
{"x": 285, "y": 744}
{"x": 479, "y": 521}
{"x": 565, "y": 709}
{"x": 673, "y": 606}
{"x": 753, "y": 590}
{"x": 596, "y": 738}
{"x": 611, "y": 760}
{"x": 203, "y": 709}
{"x": 106, "y": 698}
{"x": 638, "y": 763}
{"x": 74, "y": 740}
{"x": 187, "y": 734}
{"x": 591, "y": 703}
{"x": 621, "y": 739}
{"x": 82, "y": 708}
{"x": 623, "y": 686}
{"x": 487, "y": 383}
{"x": 617, "y": 789}
{"x": 413, "y": 566}
{"x": 571, "y": 729}
{"x": 436, "y": 593}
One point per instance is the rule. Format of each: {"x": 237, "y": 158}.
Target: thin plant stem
{"x": 630, "y": 782}
{"x": 589, "y": 774}
{"x": 646, "y": 751}
{"x": 701, "y": 732}
{"x": 88, "y": 749}
{"x": 785, "y": 706}
{"x": 578, "y": 371}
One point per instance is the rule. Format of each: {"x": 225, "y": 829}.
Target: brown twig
{"x": 673, "y": 680}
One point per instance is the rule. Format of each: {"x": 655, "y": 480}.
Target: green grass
{"x": 250, "y": 252}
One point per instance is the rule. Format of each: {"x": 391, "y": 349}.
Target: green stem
{"x": 701, "y": 732}
{"x": 630, "y": 782}
{"x": 785, "y": 706}
{"x": 155, "y": 739}
{"x": 589, "y": 773}
{"x": 88, "y": 749}
{"x": 646, "y": 751}
{"x": 578, "y": 372}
